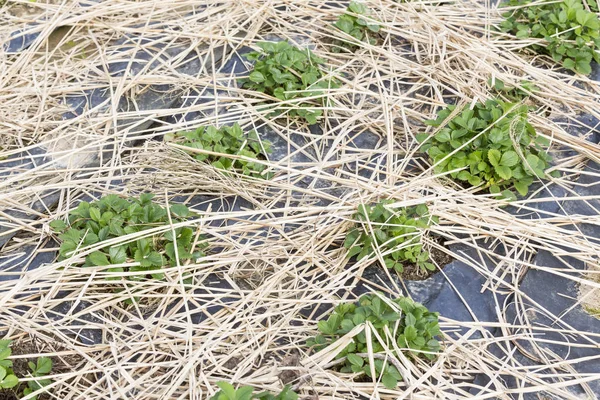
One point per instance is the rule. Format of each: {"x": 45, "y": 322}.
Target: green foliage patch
{"x": 112, "y": 217}
{"x": 8, "y": 379}
{"x": 492, "y": 144}
{"x": 228, "y": 392}
{"x": 355, "y": 23}
{"x": 394, "y": 233}
{"x": 401, "y": 322}
{"x": 514, "y": 93}
{"x": 227, "y": 140}
{"x": 288, "y": 73}
{"x": 571, "y": 32}
{"x": 39, "y": 370}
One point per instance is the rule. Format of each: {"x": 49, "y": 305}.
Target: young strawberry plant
{"x": 39, "y": 370}
{"x": 514, "y": 93}
{"x": 355, "y": 23}
{"x": 394, "y": 233}
{"x": 400, "y": 322}
{"x": 570, "y": 31}
{"x": 228, "y": 392}
{"x": 112, "y": 217}
{"x": 227, "y": 140}
{"x": 8, "y": 379}
{"x": 288, "y": 73}
{"x": 492, "y": 145}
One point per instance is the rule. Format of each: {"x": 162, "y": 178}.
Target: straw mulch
{"x": 279, "y": 255}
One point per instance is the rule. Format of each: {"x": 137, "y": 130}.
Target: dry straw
{"x": 279, "y": 254}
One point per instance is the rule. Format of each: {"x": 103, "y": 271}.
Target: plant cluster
{"x": 401, "y": 324}
{"x": 7, "y": 377}
{"x": 394, "y": 234}
{"x": 288, "y": 73}
{"x": 571, "y": 33}
{"x": 355, "y": 23}
{"x": 491, "y": 144}
{"x": 39, "y": 370}
{"x": 227, "y": 140}
{"x": 228, "y": 392}
{"x": 112, "y": 217}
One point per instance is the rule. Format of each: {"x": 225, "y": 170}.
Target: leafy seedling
{"x": 288, "y": 73}
{"x": 356, "y": 23}
{"x": 8, "y": 379}
{"x": 39, "y": 370}
{"x": 413, "y": 328}
{"x": 395, "y": 233}
{"x": 228, "y": 140}
{"x": 570, "y": 31}
{"x": 513, "y": 93}
{"x": 112, "y": 217}
{"x": 228, "y": 392}
{"x": 491, "y": 144}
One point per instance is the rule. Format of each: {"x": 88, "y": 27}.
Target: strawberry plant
{"x": 112, "y": 217}
{"x": 227, "y": 140}
{"x": 288, "y": 73}
{"x": 39, "y": 370}
{"x": 514, "y": 93}
{"x": 400, "y": 322}
{"x": 355, "y": 23}
{"x": 570, "y": 31}
{"x": 228, "y": 392}
{"x": 491, "y": 144}
{"x": 8, "y": 379}
{"x": 394, "y": 233}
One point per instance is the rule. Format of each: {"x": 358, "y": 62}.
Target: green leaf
{"x": 155, "y": 259}
{"x": 389, "y": 381}
{"x": 345, "y": 25}
{"x": 357, "y": 8}
{"x": 421, "y": 137}
{"x": 256, "y": 77}
{"x": 494, "y": 157}
{"x": 522, "y": 188}
{"x": 44, "y": 366}
{"x": 410, "y": 332}
{"x": 508, "y": 195}
{"x": 227, "y": 389}
{"x": 5, "y": 352}
{"x": 118, "y": 255}
{"x": 474, "y": 180}
{"x": 583, "y": 67}
{"x": 569, "y": 63}
{"x": 9, "y": 381}
{"x": 373, "y": 27}
{"x": 523, "y": 34}
{"x": 532, "y": 161}
{"x": 443, "y": 136}
{"x": 95, "y": 214}
{"x": 98, "y": 258}
{"x": 244, "y": 393}
{"x": 58, "y": 225}
{"x": 509, "y": 159}
{"x": 503, "y": 172}
{"x": 180, "y": 210}
{"x": 355, "y": 360}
